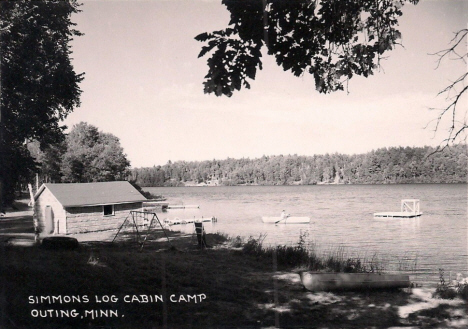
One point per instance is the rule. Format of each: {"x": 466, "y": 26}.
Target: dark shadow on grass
{"x": 209, "y": 288}
{"x": 23, "y": 224}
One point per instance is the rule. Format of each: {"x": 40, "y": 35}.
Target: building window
{"x": 108, "y": 210}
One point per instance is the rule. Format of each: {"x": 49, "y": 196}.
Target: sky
{"x": 143, "y": 83}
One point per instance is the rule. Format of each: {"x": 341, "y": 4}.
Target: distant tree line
{"x": 383, "y": 166}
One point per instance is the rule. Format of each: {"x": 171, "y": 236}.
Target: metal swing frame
{"x": 145, "y": 215}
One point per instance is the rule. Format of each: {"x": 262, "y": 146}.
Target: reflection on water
{"x": 342, "y": 217}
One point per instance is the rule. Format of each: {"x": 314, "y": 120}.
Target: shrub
{"x": 451, "y": 290}
{"x": 463, "y": 291}
{"x": 236, "y": 242}
{"x": 303, "y": 256}
{"x": 291, "y": 256}
{"x": 300, "y": 256}
{"x": 254, "y": 246}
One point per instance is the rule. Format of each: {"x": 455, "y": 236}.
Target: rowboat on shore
{"x": 287, "y": 220}
{"x": 313, "y": 281}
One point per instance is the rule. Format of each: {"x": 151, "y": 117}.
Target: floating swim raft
{"x": 409, "y": 209}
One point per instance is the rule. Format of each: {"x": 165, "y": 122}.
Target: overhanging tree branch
{"x": 331, "y": 40}
{"x": 453, "y": 50}
{"x": 454, "y": 92}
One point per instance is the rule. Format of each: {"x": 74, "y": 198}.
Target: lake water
{"x": 342, "y": 221}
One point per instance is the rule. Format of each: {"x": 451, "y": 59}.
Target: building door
{"x": 49, "y": 220}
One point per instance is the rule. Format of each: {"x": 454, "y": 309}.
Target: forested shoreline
{"x": 395, "y": 165}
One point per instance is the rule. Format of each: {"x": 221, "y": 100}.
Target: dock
{"x": 182, "y": 206}
{"x": 165, "y": 205}
{"x": 154, "y": 205}
{"x": 177, "y": 221}
{"x": 410, "y": 208}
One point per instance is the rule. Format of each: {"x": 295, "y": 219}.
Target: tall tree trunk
{"x": 2, "y": 136}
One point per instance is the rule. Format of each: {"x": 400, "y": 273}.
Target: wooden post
{"x": 200, "y": 234}
{"x": 35, "y": 221}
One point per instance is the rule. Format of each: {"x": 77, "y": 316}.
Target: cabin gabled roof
{"x": 91, "y": 194}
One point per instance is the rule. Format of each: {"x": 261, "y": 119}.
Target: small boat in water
{"x": 314, "y": 281}
{"x": 286, "y": 220}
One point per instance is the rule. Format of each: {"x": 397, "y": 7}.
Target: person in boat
{"x": 283, "y": 215}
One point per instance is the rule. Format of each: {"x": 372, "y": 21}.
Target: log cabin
{"x": 71, "y": 208}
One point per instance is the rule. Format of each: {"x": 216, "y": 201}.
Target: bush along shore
{"x": 304, "y": 256}
{"x": 235, "y": 283}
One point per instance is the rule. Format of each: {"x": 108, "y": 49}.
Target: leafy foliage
{"x": 93, "y": 156}
{"x": 39, "y": 86}
{"x": 331, "y": 40}
{"x": 49, "y": 161}
{"x": 382, "y": 166}
{"x": 16, "y": 167}
{"x": 87, "y": 155}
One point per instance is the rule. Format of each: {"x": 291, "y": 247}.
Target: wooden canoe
{"x": 287, "y": 220}
{"x": 352, "y": 281}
